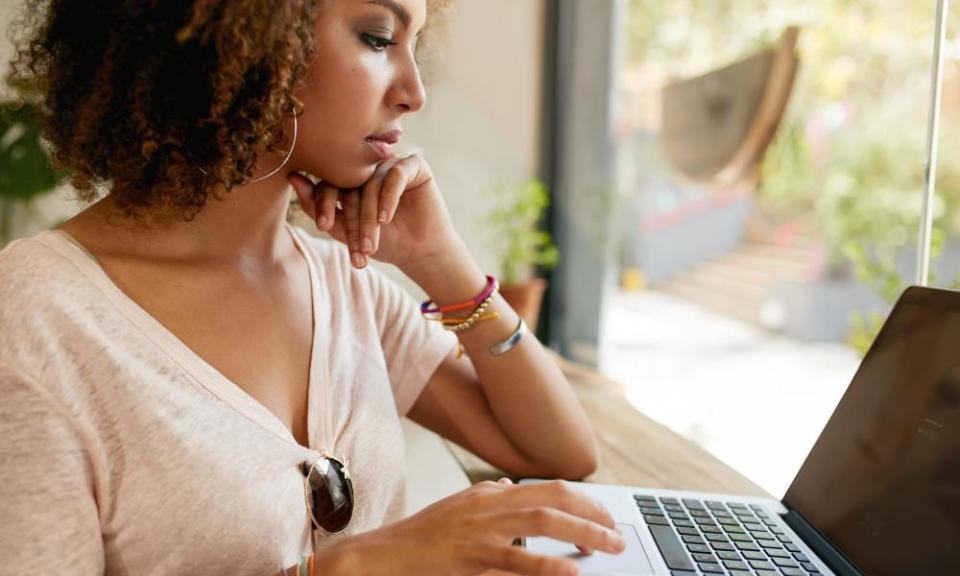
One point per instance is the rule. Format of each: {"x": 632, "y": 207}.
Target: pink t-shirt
{"x": 123, "y": 452}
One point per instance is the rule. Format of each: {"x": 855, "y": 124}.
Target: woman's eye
{"x": 376, "y": 42}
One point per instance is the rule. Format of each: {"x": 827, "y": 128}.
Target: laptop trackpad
{"x": 633, "y": 559}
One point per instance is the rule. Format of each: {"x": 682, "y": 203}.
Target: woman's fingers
{"x": 376, "y": 209}
{"x": 339, "y": 229}
{"x": 395, "y": 183}
{"x": 319, "y": 201}
{"x": 555, "y": 510}
{"x": 382, "y": 194}
{"x": 363, "y": 211}
{"x": 350, "y": 201}
{"x": 559, "y": 525}
{"x": 305, "y": 191}
{"x": 369, "y": 209}
{"x": 326, "y": 199}
{"x": 555, "y": 494}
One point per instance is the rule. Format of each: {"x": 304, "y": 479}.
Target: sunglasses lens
{"x": 331, "y": 495}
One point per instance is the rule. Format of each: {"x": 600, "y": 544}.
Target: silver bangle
{"x": 511, "y": 340}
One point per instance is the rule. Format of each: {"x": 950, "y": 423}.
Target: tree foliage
{"x": 850, "y": 156}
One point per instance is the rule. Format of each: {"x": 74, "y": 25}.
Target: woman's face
{"x": 363, "y": 78}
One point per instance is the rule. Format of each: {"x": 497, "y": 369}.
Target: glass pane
{"x": 945, "y": 248}
{"x": 768, "y": 211}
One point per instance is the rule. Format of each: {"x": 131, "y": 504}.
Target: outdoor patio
{"x": 755, "y": 400}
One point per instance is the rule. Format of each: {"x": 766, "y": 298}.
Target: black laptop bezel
{"x": 831, "y": 554}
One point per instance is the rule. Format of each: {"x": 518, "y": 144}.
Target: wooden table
{"x": 634, "y": 449}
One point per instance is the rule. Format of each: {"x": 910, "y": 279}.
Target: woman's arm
{"x": 517, "y": 410}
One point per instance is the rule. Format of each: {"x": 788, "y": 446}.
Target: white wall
{"x": 481, "y": 124}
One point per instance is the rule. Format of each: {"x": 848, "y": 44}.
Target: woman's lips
{"x": 382, "y": 143}
{"x": 381, "y": 147}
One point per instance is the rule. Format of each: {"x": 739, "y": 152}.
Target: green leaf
{"x": 25, "y": 169}
{"x": 513, "y": 226}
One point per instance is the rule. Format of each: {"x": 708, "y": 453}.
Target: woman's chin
{"x": 354, "y": 177}
{"x": 350, "y": 179}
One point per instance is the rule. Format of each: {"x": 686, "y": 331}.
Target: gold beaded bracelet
{"x": 462, "y": 324}
{"x": 488, "y": 316}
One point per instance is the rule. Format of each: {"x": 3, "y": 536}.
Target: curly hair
{"x": 141, "y": 95}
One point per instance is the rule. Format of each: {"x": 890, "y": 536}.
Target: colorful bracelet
{"x": 479, "y": 311}
{"x": 304, "y": 568}
{"x": 455, "y": 321}
{"x": 430, "y": 307}
{"x": 468, "y": 322}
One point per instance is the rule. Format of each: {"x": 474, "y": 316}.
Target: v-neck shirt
{"x": 126, "y": 453}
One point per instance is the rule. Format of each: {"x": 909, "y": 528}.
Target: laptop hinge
{"x": 820, "y": 545}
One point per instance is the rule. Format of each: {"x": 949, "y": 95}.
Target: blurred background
{"x": 720, "y": 199}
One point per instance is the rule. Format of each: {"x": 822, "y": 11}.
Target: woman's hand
{"x": 397, "y": 217}
{"x": 472, "y": 531}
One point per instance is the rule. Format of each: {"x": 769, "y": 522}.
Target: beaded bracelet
{"x": 480, "y": 312}
{"x": 455, "y": 321}
{"x": 430, "y": 307}
{"x": 467, "y": 323}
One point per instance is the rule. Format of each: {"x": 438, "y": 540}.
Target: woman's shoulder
{"x": 33, "y": 268}
{"x": 43, "y": 290}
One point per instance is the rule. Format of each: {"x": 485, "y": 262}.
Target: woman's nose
{"x": 408, "y": 93}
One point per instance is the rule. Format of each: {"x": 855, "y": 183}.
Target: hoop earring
{"x": 286, "y": 158}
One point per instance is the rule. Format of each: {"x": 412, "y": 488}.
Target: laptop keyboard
{"x": 711, "y": 537}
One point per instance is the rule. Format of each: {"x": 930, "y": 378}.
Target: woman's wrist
{"x": 451, "y": 276}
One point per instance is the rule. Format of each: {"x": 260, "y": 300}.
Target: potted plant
{"x": 520, "y": 245}
{"x": 25, "y": 168}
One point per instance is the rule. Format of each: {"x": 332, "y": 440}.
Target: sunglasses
{"x": 329, "y": 493}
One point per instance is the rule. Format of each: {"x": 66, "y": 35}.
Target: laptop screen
{"x": 882, "y": 482}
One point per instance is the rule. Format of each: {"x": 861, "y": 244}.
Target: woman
{"x": 179, "y": 366}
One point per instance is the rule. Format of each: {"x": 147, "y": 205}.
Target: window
{"x": 756, "y": 270}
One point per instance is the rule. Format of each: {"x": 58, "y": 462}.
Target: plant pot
{"x": 525, "y": 298}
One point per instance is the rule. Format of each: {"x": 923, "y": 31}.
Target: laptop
{"x": 878, "y": 495}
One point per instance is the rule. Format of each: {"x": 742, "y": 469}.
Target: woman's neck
{"x": 247, "y": 223}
